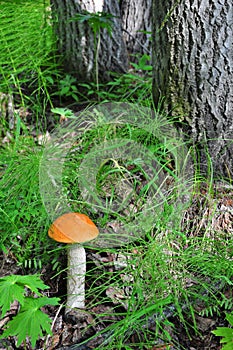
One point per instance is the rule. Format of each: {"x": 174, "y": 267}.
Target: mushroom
{"x": 74, "y": 228}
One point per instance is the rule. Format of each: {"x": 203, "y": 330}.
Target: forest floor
{"x": 69, "y": 331}
{"x": 75, "y": 328}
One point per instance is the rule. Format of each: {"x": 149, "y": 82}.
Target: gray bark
{"x": 76, "y": 41}
{"x": 136, "y": 22}
{"x": 193, "y": 60}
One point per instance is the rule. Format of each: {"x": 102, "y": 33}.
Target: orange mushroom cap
{"x": 73, "y": 228}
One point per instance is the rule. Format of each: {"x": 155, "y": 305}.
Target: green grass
{"x": 112, "y": 157}
{"x": 28, "y": 62}
{"x": 117, "y": 90}
{"x": 23, "y": 218}
{"x": 163, "y": 268}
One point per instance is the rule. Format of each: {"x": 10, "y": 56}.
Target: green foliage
{"x": 134, "y": 86}
{"x": 28, "y": 55}
{"x": 226, "y": 333}
{"x": 23, "y": 216}
{"x": 63, "y": 112}
{"x": 153, "y": 280}
{"x": 96, "y": 21}
{"x": 13, "y": 288}
{"x": 219, "y": 304}
{"x": 113, "y": 171}
{"x": 142, "y": 63}
{"x": 68, "y": 88}
{"x": 129, "y": 87}
{"x": 30, "y": 321}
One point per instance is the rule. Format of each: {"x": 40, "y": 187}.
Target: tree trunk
{"x": 77, "y": 45}
{"x": 136, "y": 21}
{"x": 193, "y": 63}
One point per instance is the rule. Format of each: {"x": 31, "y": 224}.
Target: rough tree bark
{"x": 76, "y": 40}
{"x": 193, "y": 64}
{"x": 136, "y": 21}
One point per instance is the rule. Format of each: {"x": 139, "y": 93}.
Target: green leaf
{"x": 33, "y": 282}
{"x": 30, "y": 321}
{"x": 74, "y": 88}
{"x": 226, "y": 333}
{"x": 49, "y": 79}
{"x": 13, "y": 288}
{"x": 9, "y": 292}
{"x": 62, "y": 111}
{"x": 65, "y": 90}
{"x": 96, "y": 20}
{"x": 228, "y": 346}
{"x": 40, "y": 302}
{"x": 75, "y": 97}
{"x": 229, "y": 318}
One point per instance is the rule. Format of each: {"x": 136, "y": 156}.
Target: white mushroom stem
{"x": 76, "y": 277}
